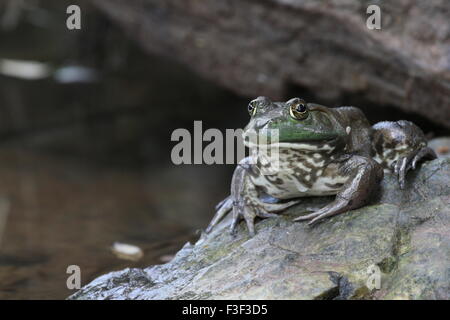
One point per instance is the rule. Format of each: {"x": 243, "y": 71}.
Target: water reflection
{"x": 64, "y": 212}
{"x": 84, "y": 164}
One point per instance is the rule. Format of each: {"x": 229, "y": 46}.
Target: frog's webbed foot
{"x": 250, "y": 209}
{"x": 244, "y": 202}
{"x": 248, "y": 212}
{"x": 242, "y": 209}
{"x": 338, "y": 206}
{"x": 406, "y": 163}
{"x": 399, "y": 146}
{"x": 365, "y": 175}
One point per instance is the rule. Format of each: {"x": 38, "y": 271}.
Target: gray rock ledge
{"x": 405, "y": 233}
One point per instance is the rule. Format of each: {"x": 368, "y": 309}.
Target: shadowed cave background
{"x": 85, "y": 160}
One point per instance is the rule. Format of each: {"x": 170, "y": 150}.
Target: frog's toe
{"x": 224, "y": 203}
{"x": 337, "y": 207}
{"x": 317, "y": 219}
{"x": 424, "y": 153}
{"x": 250, "y": 221}
{"x": 234, "y": 223}
{"x": 317, "y": 212}
{"x": 251, "y": 213}
{"x": 247, "y": 213}
{"x": 276, "y": 207}
{"x": 404, "y": 164}
{"x": 222, "y": 209}
{"x": 401, "y": 171}
{"x": 233, "y": 229}
{"x": 306, "y": 217}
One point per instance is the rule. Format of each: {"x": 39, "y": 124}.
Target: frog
{"x": 321, "y": 151}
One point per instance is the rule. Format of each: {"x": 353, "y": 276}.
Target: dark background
{"x": 83, "y": 165}
{"x": 87, "y": 163}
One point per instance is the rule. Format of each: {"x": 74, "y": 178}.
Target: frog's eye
{"x": 298, "y": 109}
{"x": 252, "y": 106}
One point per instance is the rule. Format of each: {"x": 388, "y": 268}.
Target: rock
{"x": 277, "y": 48}
{"x": 441, "y": 146}
{"x": 406, "y": 234}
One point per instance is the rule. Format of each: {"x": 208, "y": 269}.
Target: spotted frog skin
{"x": 322, "y": 151}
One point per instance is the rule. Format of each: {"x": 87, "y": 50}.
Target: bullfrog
{"x": 321, "y": 151}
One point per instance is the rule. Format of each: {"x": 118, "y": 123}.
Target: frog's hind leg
{"x": 243, "y": 201}
{"x": 365, "y": 175}
{"x": 399, "y": 146}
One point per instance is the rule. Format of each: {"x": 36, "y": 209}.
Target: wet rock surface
{"x": 406, "y": 234}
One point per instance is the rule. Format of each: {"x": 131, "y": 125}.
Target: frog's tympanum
{"x": 322, "y": 151}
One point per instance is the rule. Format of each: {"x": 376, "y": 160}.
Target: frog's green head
{"x": 296, "y": 122}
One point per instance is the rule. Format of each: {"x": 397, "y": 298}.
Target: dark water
{"x": 83, "y": 165}
{"x": 64, "y": 212}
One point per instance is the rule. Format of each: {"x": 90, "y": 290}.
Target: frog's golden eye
{"x": 298, "y": 110}
{"x": 252, "y": 106}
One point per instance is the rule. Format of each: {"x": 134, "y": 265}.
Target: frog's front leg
{"x": 364, "y": 174}
{"x": 221, "y": 211}
{"x": 244, "y": 201}
{"x": 239, "y": 200}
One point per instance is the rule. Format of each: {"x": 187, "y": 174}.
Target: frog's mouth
{"x": 283, "y": 136}
{"x": 324, "y": 143}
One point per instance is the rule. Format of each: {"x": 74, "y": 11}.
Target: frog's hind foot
{"x": 249, "y": 213}
{"x": 250, "y": 210}
{"x": 399, "y": 146}
{"x": 401, "y": 166}
{"x": 336, "y": 207}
